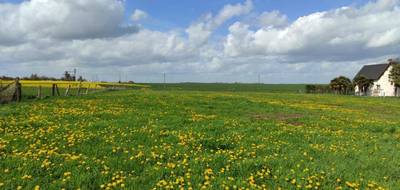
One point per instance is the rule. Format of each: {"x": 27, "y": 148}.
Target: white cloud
{"x": 230, "y": 11}
{"x": 61, "y": 19}
{"x": 388, "y": 38}
{"x": 200, "y": 32}
{"x": 138, "y": 15}
{"x": 274, "y": 19}
{"x": 343, "y": 34}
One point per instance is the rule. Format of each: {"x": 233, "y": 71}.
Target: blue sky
{"x": 168, "y": 14}
{"x": 285, "y": 41}
{"x": 183, "y": 12}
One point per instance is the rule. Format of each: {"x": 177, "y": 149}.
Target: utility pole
{"x": 165, "y": 81}
{"x": 259, "y": 79}
{"x": 74, "y": 74}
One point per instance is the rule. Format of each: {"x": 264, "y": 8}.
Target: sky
{"x": 286, "y": 41}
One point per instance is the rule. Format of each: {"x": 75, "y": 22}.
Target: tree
{"x": 341, "y": 85}
{"x": 67, "y": 77}
{"x": 394, "y": 77}
{"x": 81, "y": 79}
{"x": 34, "y": 77}
{"x": 363, "y": 83}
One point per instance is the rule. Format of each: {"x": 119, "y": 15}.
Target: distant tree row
{"x": 6, "y": 78}
{"x": 318, "y": 88}
{"x": 66, "y": 77}
{"x": 37, "y": 77}
{"x": 31, "y": 77}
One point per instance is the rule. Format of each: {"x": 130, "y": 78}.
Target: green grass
{"x": 229, "y": 87}
{"x": 170, "y": 139}
{"x": 31, "y": 93}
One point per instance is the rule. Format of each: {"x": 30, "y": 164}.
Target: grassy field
{"x": 146, "y": 139}
{"x": 229, "y": 87}
{"x": 30, "y": 88}
{"x": 30, "y": 93}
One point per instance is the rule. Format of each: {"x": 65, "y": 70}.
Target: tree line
{"x": 66, "y": 77}
{"x": 342, "y": 85}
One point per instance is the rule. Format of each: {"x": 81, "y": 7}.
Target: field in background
{"x": 29, "y": 93}
{"x": 146, "y": 139}
{"x": 30, "y": 88}
{"x": 77, "y": 84}
{"x": 229, "y": 87}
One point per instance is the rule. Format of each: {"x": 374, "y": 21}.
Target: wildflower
{"x": 66, "y": 174}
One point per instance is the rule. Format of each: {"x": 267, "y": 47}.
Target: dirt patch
{"x": 280, "y": 117}
{"x": 295, "y": 123}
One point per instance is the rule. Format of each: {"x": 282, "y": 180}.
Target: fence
{"x": 15, "y": 91}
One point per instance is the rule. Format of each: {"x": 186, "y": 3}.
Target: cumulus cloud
{"x": 62, "y": 19}
{"x": 274, "y": 19}
{"x": 390, "y": 37}
{"x": 138, "y": 15}
{"x": 346, "y": 33}
{"x": 200, "y": 31}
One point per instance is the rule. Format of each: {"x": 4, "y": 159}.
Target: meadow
{"x": 30, "y": 89}
{"x": 177, "y": 139}
{"x": 228, "y": 87}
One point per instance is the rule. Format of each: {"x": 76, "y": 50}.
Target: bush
{"x": 318, "y": 88}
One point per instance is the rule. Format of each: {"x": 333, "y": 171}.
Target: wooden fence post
{"x": 67, "y": 91}
{"x": 18, "y": 90}
{"x": 58, "y": 91}
{"x": 53, "y": 90}
{"x": 39, "y": 95}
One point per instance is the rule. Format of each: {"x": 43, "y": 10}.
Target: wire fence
{"x": 15, "y": 91}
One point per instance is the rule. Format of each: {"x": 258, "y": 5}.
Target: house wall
{"x": 356, "y": 90}
{"x": 386, "y": 87}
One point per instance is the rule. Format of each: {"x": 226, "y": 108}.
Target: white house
{"x": 379, "y": 73}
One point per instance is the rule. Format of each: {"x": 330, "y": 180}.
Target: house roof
{"x": 373, "y": 72}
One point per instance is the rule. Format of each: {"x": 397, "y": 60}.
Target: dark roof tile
{"x": 373, "y": 72}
